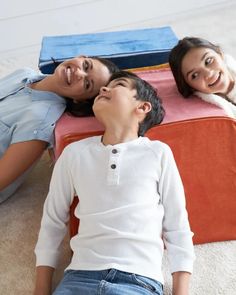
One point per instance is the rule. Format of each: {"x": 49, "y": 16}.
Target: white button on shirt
{"x": 114, "y": 163}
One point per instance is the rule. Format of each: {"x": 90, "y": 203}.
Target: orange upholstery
{"x": 204, "y": 148}
{"x": 205, "y": 152}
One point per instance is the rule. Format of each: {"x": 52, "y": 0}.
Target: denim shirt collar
{"x": 19, "y": 80}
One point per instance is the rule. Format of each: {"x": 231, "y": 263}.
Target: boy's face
{"x": 117, "y": 100}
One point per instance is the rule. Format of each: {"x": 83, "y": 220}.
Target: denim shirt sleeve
{"x": 27, "y": 114}
{"x": 39, "y": 122}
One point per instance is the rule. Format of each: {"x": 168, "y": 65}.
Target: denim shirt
{"x": 26, "y": 114}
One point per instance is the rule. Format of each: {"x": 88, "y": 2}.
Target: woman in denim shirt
{"x": 30, "y": 105}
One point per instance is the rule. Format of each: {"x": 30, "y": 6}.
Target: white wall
{"x": 24, "y": 23}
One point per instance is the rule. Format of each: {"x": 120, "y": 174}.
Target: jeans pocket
{"x": 151, "y": 285}
{"x": 69, "y": 273}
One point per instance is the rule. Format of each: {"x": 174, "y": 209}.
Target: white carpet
{"x": 214, "y": 270}
{"x": 215, "y": 266}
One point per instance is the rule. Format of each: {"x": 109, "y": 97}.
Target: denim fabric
{"x": 26, "y": 114}
{"x": 10, "y": 189}
{"x": 106, "y": 282}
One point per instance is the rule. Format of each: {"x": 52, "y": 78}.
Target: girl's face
{"x": 80, "y": 78}
{"x": 205, "y": 70}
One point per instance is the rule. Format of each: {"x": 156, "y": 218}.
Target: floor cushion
{"x": 203, "y": 140}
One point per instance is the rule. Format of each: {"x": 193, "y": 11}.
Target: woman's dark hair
{"x": 84, "y": 108}
{"x": 176, "y": 57}
{"x": 145, "y": 92}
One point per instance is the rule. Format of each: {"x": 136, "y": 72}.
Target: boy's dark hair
{"x": 84, "y": 108}
{"x": 145, "y": 92}
{"x": 176, "y": 57}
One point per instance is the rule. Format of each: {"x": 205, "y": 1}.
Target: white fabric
{"x": 227, "y": 106}
{"x": 123, "y": 212}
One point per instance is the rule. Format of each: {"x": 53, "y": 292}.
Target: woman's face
{"x": 80, "y": 78}
{"x": 205, "y": 70}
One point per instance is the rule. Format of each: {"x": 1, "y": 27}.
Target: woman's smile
{"x": 68, "y": 73}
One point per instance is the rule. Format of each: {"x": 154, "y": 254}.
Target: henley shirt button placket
{"x": 113, "y": 173}
{"x": 114, "y": 151}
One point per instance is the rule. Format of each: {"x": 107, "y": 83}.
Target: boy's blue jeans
{"x": 106, "y": 282}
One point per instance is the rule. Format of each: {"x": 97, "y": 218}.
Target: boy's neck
{"x": 112, "y": 137}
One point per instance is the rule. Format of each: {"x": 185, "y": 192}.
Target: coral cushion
{"x": 203, "y": 140}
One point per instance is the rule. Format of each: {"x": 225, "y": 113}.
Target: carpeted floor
{"x": 215, "y": 266}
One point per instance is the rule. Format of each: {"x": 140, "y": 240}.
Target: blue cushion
{"x": 127, "y": 49}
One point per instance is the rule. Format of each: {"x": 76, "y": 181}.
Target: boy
{"x": 131, "y": 199}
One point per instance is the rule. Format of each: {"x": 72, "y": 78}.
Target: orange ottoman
{"x": 203, "y": 141}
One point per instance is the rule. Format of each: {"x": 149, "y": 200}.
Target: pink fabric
{"x": 192, "y": 128}
{"x": 177, "y": 108}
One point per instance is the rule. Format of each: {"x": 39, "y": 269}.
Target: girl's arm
{"x": 180, "y": 283}
{"x": 43, "y": 283}
{"x": 18, "y": 158}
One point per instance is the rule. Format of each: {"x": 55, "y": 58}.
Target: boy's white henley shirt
{"x": 131, "y": 199}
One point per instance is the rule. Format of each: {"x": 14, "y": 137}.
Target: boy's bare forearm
{"x": 181, "y": 281}
{"x": 43, "y": 283}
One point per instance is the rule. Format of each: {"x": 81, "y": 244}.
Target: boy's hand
{"x": 43, "y": 284}
{"x": 181, "y": 283}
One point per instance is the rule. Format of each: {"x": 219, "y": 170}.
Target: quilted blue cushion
{"x": 127, "y": 49}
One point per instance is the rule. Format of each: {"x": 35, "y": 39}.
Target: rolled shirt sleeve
{"x": 55, "y": 213}
{"x": 177, "y": 235}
